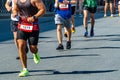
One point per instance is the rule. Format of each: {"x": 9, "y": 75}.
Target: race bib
{"x": 63, "y": 6}
{"x": 26, "y": 27}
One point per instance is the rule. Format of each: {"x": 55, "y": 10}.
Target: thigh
{"x": 33, "y": 38}
{"x": 85, "y": 11}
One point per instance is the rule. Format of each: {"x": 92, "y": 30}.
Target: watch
{"x": 34, "y": 17}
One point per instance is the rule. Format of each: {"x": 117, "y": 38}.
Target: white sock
{"x": 24, "y": 68}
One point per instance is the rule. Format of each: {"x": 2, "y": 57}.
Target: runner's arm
{"x": 15, "y": 9}
{"x": 41, "y": 8}
{"x": 7, "y": 5}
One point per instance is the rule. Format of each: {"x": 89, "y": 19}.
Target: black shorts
{"x": 32, "y": 37}
{"x": 14, "y": 25}
{"x": 73, "y": 9}
{"x": 109, "y": 1}
{"x": 91, "y": 10}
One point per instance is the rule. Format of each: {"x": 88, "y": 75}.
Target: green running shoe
{"x": 23, "y": 73}
{"x": 36, "y": 58}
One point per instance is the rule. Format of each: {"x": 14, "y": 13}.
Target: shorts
{"x": 73, "y": 9}
{"x": 64, "y": 22}
{"x": 32, "y": 37}
{"x": 14, "y": 26}
{"x": 109, "y": 1}
{"x": 91, "y": 10}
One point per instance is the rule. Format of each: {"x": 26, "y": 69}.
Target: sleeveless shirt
{"x": 64, "y": 10}
{"x": 26, "y": 8}
{"x": 90, "y": 3}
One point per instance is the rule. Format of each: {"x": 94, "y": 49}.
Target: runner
{"x": 89, "y": 6}
{"x": 63, "y": 18}
{"x": 108, "y": 2}
{"x": 73, "y": 6}
{"x": 28, "y": 29}
{"x": 14, "y": 21}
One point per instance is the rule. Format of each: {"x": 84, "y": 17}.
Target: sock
{"x": 92, "y": 28}
{"x": 86, "y": 29}
{"x": 24, "y": 68}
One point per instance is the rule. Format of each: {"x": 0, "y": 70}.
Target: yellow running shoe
{"x": 23, "y": 73}
{"x": 73, "y": 29}
{"x": 36, "y": 58}
{"x": 119, "y": 14}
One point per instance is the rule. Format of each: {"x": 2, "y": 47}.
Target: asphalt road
{"x": 92, "y": 58}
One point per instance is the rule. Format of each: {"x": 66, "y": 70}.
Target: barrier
{"x": 3, "y": 11}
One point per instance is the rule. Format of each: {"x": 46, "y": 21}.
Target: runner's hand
{"x": 30, "y": 19}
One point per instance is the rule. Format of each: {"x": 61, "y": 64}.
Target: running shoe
{"x": 65, "y": 34}
{"x": 119, "y": 14}
{"x": 111, "y": 16}
{"x": 68, "y": 45}
{"x": 23, "y": 73}
{"x": 92, "y": 33}
{"x": 36, "y": 58}
{"x": 73, "y": 29}
{"x": 86, "y": 34}
{"x": 60, "y": 47}
{"x": 105, "y": 15}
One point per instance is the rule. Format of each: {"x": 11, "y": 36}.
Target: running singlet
{"x": 64, "y": 10}
{"x": 26, "y": 9}
{"x": 90, "y": 3}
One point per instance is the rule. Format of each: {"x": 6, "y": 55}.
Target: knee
{"x": 58, "y": 29}
{"x": 33, "y": 49}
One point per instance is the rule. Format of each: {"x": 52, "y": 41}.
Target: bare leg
{"x": 105, "y": 9}
{"x": 59, "y": 33}
{"x": 85, "y": 19}
{"x": 111, "y": 9}
{"x": 85, "y": 23}
{"x": 22, "y": 52}
{"x": 92, "y": 24}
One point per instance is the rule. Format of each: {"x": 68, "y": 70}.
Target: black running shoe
{"x": 60, "y": 47}
{"x": 68, "y": 45}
